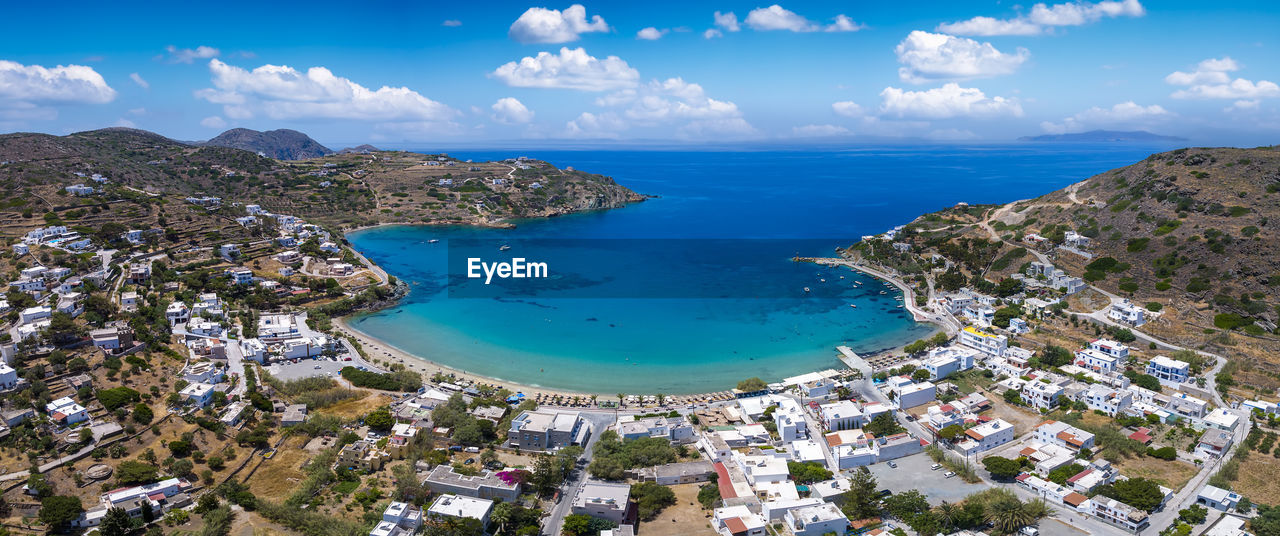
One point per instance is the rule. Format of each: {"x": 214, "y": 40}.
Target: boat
{"x": 806, "y": 289}
{"x": 822, "y": 280}
{"x": 882, "y": 292}
{"x": 899, "y": 306}
{"x": 433, "y": 241}
{"x": 503, "y": 247}
{"x": 853, "y": 305}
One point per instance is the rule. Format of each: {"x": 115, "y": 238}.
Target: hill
{"x": 1103, "y": 136}
{"x": 282, "y": 144}
{"x": 1189, "y": 235}
{"x": 149, "y": 176}
{"x": 366, "y": 148}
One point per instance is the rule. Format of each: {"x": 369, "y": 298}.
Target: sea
{"x": 696, "y": 289}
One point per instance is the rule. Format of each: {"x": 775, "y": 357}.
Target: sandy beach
{"x": 382, "y": 351}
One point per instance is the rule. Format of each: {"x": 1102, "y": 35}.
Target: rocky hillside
{"x": 282, "y": 144}
{"x": 149, "y": 177}
{"x": 1198, "y": 225}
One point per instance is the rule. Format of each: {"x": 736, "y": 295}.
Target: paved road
{"x": 600, "y": 420}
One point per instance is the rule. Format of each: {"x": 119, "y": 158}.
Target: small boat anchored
{"x": 806, "y": 289}
{"x": 433, "y": 241}
{"x": 503, "y": 247}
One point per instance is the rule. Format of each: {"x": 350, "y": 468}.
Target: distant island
{"x": 282, "y": 144}
{"x": 1102, "y": 136}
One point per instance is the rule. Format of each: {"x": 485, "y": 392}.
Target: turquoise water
{"x": 725, "y": 309}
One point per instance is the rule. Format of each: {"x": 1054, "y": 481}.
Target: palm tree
{"x": 1008, "y": 515}
{"x": 948, "y": 514}
{"x": 501, "y": 515}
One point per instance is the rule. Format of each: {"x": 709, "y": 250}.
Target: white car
{"x": 949, "y": 474}
{"x": 935, "y": 467}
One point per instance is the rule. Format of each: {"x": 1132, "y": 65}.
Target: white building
{"x": 1041, "y": 395}
{"x": 1095, "y": 360}
{"x": 790, "y": 422}
{"x": 670, "y": 428}
{"x": 1218, "y": 498}
{"x": 241, "y": 276}
{"x": 1106, "y": 399}
{"x": 841, "y": 415}
{"x": 229, "y": 251}
{"x": 943, "y": 362}
{"x": 1222, "y": 419}
{"x": 458, "y": 506}
{"x": 738, "y": 521}
{"x": 1112, "y": 348}
{"x": 177, "y": 313}
{"x": 32, "y": 314}
{"x": 8, "y": 377}
{"x": 1063, "y": 435}
{"x": 253, "y": 350}
{"x": 1214, "y": 443}
{"x": 604, "y": 500}
{"x": 985, "y": 437}
{"x": 916, "y": 394}
{"x": 1128, "y": 313}
{"x": 816, "y": 520}
{"x": 198, "y": 394}
{"x": 1169, "y": 370}
{"x": 986, "y": 343}
{"x": 66, "y": 411}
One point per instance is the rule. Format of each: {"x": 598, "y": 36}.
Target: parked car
{"x": 935, "y": 467}
{"x": 893, "y": 464}
{"x": 949, "y": 474}
{"x": 456, "y": 448}
{"x": 1029, "y": 531}
{"x": 469, "y": 461}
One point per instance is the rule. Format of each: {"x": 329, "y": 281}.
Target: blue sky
{"x": 411, "y": 73}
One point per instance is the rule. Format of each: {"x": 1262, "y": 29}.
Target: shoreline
{"x": 379, "y": 349}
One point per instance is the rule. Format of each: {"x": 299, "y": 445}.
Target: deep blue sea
{"x": 695, "y": 290}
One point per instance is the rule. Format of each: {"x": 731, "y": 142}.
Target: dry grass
{"x": 685, "y": 518}
{"x": 1022, "y": 419}
{"x": 1257, "y": 479}
{"x": 1172, "y": 474}
{"x": 278, "y": 477}
{"x": 357, "y": 407}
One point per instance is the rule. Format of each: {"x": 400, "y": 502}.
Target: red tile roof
{"x": 735, "y": 525}
{"x": 1074, "y": 499}
{"x": 1079, "y": 476}
{"x": 723, "y": 482}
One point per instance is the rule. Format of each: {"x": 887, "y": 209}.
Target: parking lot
{"x": 913, "y": 473}
{"x": 305, "y": 368}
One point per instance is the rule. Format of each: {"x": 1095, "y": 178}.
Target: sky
{"x": 419, "y": 73}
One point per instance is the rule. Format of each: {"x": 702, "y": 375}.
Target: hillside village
{"x": 166, "y": 387}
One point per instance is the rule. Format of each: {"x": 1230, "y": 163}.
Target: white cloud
{"x": 589, "y": 125}
{"x": 728, "y": 21}
{"x": 122, "y": 122}
{"x": 213, "y": 121}
{"x": 452, "y": 23}
{"x": 929, "y": 56}
{"x": 1243, "y": 105}
{"x": 509, "y": 110}
{"x": 661, "y": 103}
{"x": 1210, "y": 80}
{"x": 281, "y": 92}
{"x": 712, "y": 33}
{"x": 188, "y": 55}
{"x": 1126, "y": 115}
{"x": 847, "y": 109}
{"x": 945, "y": 102}
{"x": 1043, "y": 18}
{"x": 542, "y": 25}
{"x": 775, "y": 17}
{"x": 818, "y": 131}
{"x": 651, "y": 34}
{"x": 989, "y": 26}
{"x": 138, "y": 111}
{"x": 137, "y": 79}
{"x": 26, "y": 87}
{"x": 570, "y": 69}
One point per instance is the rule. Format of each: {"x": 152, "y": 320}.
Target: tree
{"x": 651, "y": 498}
{"x": 132, "y": 473}
{"x": 808, "y": 472}
{"x": 58, "y": 511}
{"x": 906, "y": 504}
{"x": 1194, "y": 515}
{"x": 116, "y": 523}
{"x": 380, "y": 419}
{"x": 1136, "y": 492}
{"x": 1007, "y": 514}
{"x": 921, "y": 375}
{"x": 1055, "y": 356}
{"x": 142, "y": 414}
{"x": 950, "y": 432}
{"x": 1143, "y": 380}
{"x": 1002, "y": 468}
{"x": 577, "y": 525}
{"x": 1060, "y": 475}
{"x": 709, "y": 495}
{"x": 207, "y": 503}
{"x": 1011, "y": 396}
{"x": 860, "y": 501}
{"x": 752, "y": 384}
{"x": 39, "y": 486}
{"x": 883, "y": 425}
